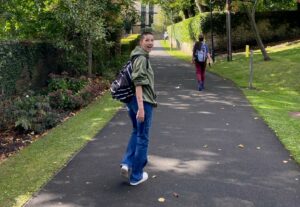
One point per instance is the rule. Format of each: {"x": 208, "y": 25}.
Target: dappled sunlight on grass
{"x": 20, "y": 200}
{"x": 109, "y": 109}
{"x": 284, "y": 47}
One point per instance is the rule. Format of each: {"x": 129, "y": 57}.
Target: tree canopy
{"x": 74, "y": 25}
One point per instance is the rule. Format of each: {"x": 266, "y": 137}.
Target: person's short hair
{"x": 144, "y": 34}
{"x": 201, "y": 37}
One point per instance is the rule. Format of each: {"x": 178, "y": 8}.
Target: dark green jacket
{"x": 143, "y": 76}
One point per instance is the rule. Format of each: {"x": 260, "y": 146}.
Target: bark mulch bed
{"x": 11, "y": 142}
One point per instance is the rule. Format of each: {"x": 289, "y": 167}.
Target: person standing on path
{"x": 199, "y": 58}
{"x": 140, "y": 112}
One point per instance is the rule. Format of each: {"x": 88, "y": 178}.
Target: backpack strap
{"x": 134, "y": 57}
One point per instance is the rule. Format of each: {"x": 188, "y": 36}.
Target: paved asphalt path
{"x": 194, "y": 154}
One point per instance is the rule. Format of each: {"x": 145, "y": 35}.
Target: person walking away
{"x": 166, "y": 36}
{"x": 199, "y": 58}
{"x": 140, "y": 109}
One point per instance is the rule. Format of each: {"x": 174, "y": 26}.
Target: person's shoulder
{"x": 139, "y": 59}
{"x": 196, "y": 44}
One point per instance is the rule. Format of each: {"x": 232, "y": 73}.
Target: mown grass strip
{"x": 24, "y": 173}
{"x": 276, "y": 93}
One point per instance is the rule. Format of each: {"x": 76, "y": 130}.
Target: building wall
{"x": 147, "y": 13}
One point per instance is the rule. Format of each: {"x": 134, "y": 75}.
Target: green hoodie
{"x": 143, "y": 76}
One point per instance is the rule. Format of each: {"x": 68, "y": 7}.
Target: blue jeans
{"x": 137, "y": 150}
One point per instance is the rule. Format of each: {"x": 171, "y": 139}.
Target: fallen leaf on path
{"x": 205, "y": 146}
{"x": 241, "y": 146}
{"x": 161, "y": 200}
{"x": 285, "y": 161}
{"x": 258, "y": 148}
{"x": 175, "y": 194}
{"x": 154, "y": 176}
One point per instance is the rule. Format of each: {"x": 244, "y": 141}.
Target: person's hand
{"x": 140, "y": 115}
{"x": 210, "y": 61}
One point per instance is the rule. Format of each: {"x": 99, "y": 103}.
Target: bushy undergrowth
{"x": 34, "y": 113}
{"x": 27, "y": 114}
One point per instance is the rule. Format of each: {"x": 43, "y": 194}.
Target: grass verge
{"x": 24, "y": 173}
{"x": 276, "y": 93}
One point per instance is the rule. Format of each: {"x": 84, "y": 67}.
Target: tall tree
{"x": 228, "y": 30}
{"x": 201, "y": 5}
{"x": 130, "y": 15}
{"x": 250, "y": 7}
{"x": 86, "y": 19}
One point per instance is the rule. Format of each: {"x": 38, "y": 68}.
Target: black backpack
{"x": 122, "y": 88}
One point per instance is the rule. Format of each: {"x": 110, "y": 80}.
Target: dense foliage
{"x": 88, "y": 31}
{"x": 173, "y": 8}
{"x": 33, "y": 101}
{"x": 274, "y": 26}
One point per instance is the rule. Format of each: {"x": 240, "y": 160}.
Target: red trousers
{"x": 200, "y": 71}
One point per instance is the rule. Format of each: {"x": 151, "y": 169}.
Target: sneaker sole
{"x": 141, "y": 181}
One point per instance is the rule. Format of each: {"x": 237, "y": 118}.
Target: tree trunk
{"x": 186, "y": 13}
{"x": 251, "y": 16}
{"x": 192, "y": 9}
{"x": 90, "y": 57}
{"x": 198, "y": 6}
{"x": 228, "y": 30}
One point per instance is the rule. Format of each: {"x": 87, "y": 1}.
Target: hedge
{"x": 129, "y": 42}
{"x": 273, "y": 26}
{"x": 26, "y": 65}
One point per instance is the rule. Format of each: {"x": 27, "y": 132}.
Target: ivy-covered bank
{"x": 273, "y": 26}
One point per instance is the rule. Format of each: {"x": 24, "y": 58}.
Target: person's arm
{"x": 194, "y": 51}
{"x": 140, "y": 115}
{"x": 209, "y": 56}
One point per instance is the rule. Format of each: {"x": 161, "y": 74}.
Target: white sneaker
{"x": 124, "y": 171}
{"x": 144, "y": 178}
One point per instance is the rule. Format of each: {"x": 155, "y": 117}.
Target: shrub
{"x": 64, "y": 82}
{"x": 95, "y": 88}
{"x": 29, "y": 113}
{"x": 65, "y": 100}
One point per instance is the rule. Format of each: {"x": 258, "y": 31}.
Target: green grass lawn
{"x": 276, "y": 92}
{"x": 24, "y": 173}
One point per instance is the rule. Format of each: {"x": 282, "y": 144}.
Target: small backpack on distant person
{"x": 122, "y": 88}
{"x": 201, "y": 54}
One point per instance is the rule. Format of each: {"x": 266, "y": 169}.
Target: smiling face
{"x": 147, "y": 42}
